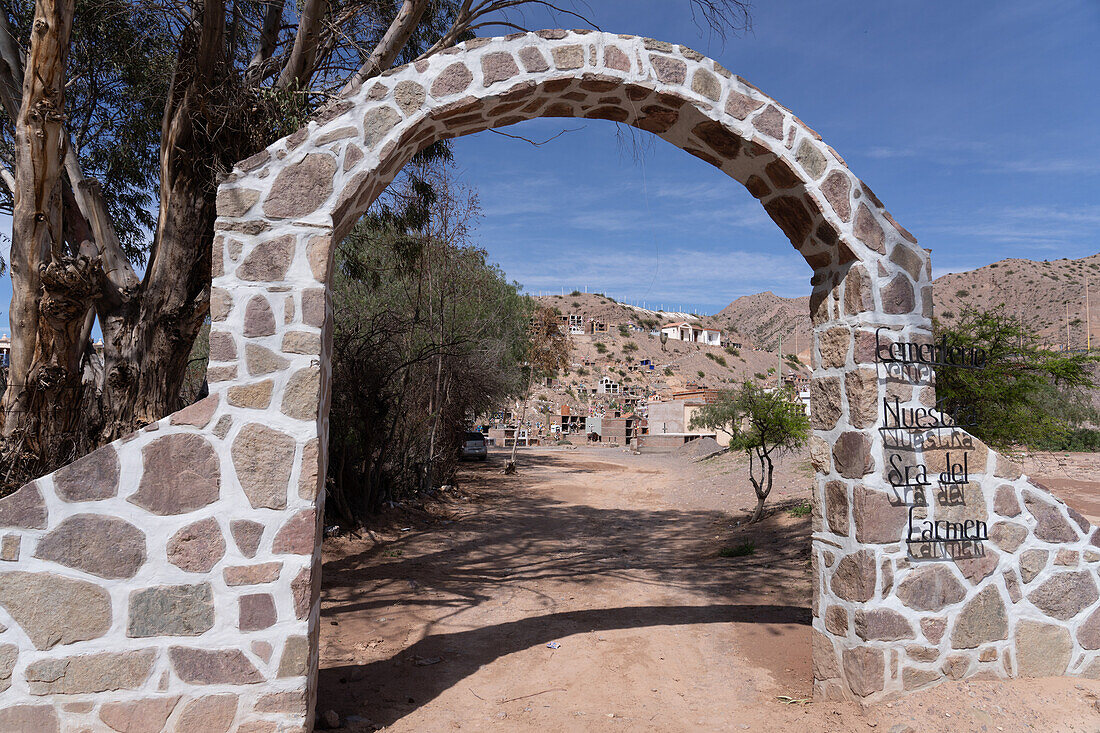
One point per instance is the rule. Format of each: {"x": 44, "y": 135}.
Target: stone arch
{"x": 190, "y": 551}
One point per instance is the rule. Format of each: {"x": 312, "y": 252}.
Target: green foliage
{"x": 764, "y": 424}
{"x": 962, "y": 293}
{"x": 630, "y": 346}
{"x": 1085, "y": 440}
{"x": 801, "y": 510}
{"x": 742, "y": 550}
{"x": 701, "y": 373}
{"x": 601, "y": 347}
{"x": 624, "y": 330}
{"x": 119, "y": 67}
{"x": 575, "y": 293}
{"x": 733, "y": 351}
{"x": 1025, "y": 395}
{"x": 668, "y": 371}
{"x": 426, "y": 334}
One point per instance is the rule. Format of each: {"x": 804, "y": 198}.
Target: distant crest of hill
{"x": 1036, "y": 292}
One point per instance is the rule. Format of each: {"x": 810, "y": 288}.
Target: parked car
{"x": 474, "y": 446}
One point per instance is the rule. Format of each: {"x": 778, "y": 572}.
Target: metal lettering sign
{"x": 911, "y": 428}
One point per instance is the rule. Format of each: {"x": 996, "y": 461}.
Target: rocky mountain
{"x": 1037, "y": 292}
{"x": 629, "y": 346}
{"x": 764, "y": 318}
{"x": 1045, "y": 295}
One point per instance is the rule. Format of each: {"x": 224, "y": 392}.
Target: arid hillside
{"x": 621, "y": 352}
{"x": 766, "y": 317}
{"x": 1045, "y": 295}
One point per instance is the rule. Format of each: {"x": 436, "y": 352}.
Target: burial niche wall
{"x": 172, "y": 577}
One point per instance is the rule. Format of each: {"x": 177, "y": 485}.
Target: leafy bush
{"x": 668, "y": 371}
{"x": 630, "y": 346}
{"x": 701, "y": 373}
{"x": 393, "y": 433}
{"x": 1025, "y": 394}
{"x": 800, "y": 510}
{"x": 601, "y": 347}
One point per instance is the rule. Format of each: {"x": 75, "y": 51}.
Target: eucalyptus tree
{"x": 118, "y": 117}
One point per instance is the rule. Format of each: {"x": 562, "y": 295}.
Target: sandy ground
{"x": 1075, "y": 477}
{"x": 588, "y": 593}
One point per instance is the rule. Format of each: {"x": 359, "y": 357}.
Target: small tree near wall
{"x": 548, "y": 349}
{"x": 765, "y": 424}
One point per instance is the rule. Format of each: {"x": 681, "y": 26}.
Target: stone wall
{"x": 168, "y": 578}
{"x": 892, "y": 616}
{"x": 171, "y": 578}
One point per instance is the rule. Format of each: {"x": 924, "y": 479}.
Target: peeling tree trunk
{"x": 51, "y": 291}
{"x": 148, "y": 335}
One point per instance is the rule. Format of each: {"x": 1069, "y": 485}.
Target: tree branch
{"x": 299, "y": 66}
{"x": 269, "y": 37}
{"x": 11, "y": 77}
{"x": 466, "y": 17}
{"x": 116, "y": 266}
{"x": 9, "y": 179}
{"x": 533, "y": 142}
{"x": 395, "y": 38}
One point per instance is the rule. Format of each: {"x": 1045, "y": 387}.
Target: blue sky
{"x": 975, "y": 123}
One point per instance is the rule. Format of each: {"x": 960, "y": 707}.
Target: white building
{"x": 607, "y": 385}
{"x": 693, "y": 333}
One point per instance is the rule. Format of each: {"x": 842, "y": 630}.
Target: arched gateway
{"x": 173, "y": 576}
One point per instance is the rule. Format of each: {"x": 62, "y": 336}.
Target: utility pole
{"x": 779, "y": 379}
{"x": 1067, "y": 324}
{"x": 1088, "y": 319}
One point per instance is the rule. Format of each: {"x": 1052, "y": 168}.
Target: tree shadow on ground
{"x": 375, "y": 681}
{"x": 543, "y": 547}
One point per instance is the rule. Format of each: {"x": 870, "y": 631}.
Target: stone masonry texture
{"x": 170, "y": 580}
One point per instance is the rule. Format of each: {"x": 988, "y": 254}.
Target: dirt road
{"x": 589, "y": 592}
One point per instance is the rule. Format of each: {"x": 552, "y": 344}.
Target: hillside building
{"x": 573, "y": 323}
{"x": 570, "y": 421}
{"x": 670, "y": 422}
{"x": 692, "y": 333}
{"x": 607, "y": 385}
{"x": 622, "y": 429}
